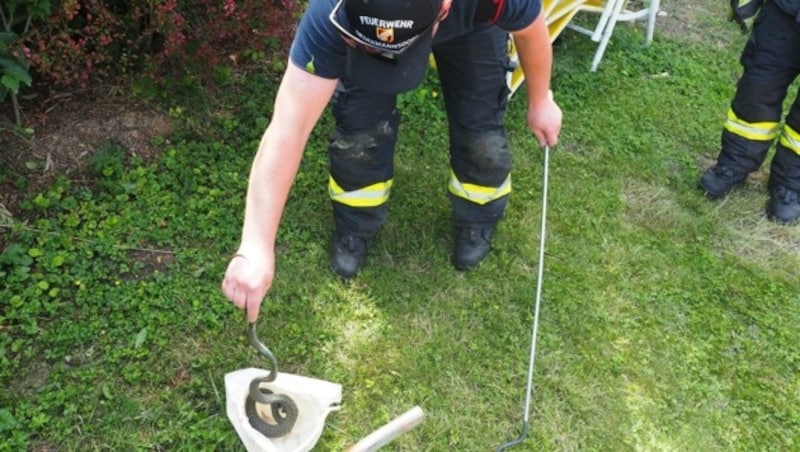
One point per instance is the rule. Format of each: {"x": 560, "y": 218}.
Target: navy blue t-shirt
{"x": 318, "y": 48}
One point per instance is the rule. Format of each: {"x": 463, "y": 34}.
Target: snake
{"x": 284, "y": 410}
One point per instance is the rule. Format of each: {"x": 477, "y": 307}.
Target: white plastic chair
{"x": 604, "y": 9}
{"x": 559, "y": 14}
{"x": 611, "y": 12}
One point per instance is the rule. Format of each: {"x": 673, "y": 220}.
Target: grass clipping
{"x": 6, "y": 219}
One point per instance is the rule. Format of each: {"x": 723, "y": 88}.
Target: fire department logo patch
{"x": 385, "y": 34}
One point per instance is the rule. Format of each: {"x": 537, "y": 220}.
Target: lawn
{"x": 668, "y": 321}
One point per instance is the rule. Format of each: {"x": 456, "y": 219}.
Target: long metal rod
{"x": 535, "y": 327}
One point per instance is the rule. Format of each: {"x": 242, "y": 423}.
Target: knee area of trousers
{"x": 363, "y": 144}
{"x": 488, "y": 150}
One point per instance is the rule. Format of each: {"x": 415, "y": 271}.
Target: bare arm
{"x": 536, "y": 58}
{"x": 301, "y": 99}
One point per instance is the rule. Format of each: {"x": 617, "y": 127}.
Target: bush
{"x": 16, "y": 17}
{"x": 81, "y": 42}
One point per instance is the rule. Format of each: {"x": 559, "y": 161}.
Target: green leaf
{"x": 140, "y": 338}
{"x": 17, "y": 301}
{"x": 15, "y": 70}
{"x": 11, "y": 83}
{"x": 107, "y": 392}
{"x": 39, "y": 9}
{"x": 7, "y": 420}
{"x": 59, "y": 260}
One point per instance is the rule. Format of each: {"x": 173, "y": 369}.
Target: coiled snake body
{"x": 282, "y": 407}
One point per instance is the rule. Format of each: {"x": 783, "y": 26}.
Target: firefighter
{"x": 771, "y": 62}
{"x": 358, "y": 55}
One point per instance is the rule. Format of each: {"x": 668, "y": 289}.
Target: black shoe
{"x": 783, "y": 205}
{"x": 347, "y": 254}
{"x": 472, "y": 245}
{"x": 718, "y": 180}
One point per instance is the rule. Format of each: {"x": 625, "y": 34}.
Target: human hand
{"x": 247, "y": 280}
{"x": 544, "y": 120}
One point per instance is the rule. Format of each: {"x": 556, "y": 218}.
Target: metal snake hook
{"x": 535, "y": 326}
{"x": 284, "y": 410}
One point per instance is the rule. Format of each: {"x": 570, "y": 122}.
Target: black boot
{"x": 783, "y": 205}
{"x": 472, "y": 245}
{"x": 347, "y": 254}
{"x": 718, "y": 180}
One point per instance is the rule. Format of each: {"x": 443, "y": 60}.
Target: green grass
{"x": 668, "y": 322}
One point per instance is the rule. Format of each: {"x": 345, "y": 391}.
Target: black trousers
{"x": 771, "y": 62}
{"x": 472, "y": 70}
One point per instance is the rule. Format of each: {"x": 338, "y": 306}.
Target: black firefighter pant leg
{"x": 360, "y": 153}
{"x": 770, "y": 61}
{"x": 472, "y": 70}
{"x": 785, "y": 167}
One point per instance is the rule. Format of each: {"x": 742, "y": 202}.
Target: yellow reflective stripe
{"x": 479, "y": 194}
{"x": 369, "y": 196}
{"x": 791, "y": 139}
{"x": 757, "y": 131}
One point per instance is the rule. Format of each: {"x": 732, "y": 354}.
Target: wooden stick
{"x": 390, "y": 431}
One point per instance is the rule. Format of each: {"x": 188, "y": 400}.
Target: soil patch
{"x": 68, "y": 129}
